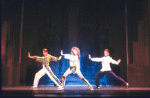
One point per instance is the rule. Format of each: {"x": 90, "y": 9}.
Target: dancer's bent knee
{"x": 63, "y": 76}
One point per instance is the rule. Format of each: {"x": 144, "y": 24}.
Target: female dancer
{"x": 106, "y": 60}
{"x": 74, "y": 65}
{"x": 45, "y": 59}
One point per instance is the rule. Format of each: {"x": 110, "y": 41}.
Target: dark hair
{"x": 107, "y": 50}
{"x": 45, "y": 50}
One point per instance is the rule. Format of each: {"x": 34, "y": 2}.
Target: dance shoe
{"x": 127, "y": 85}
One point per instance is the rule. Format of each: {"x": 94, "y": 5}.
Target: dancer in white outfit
{"x": 106, "y": 60}
{"x": 74, "y": 65}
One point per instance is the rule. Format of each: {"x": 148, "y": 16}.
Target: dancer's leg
{"x": 48, "y": 72}
{"x": 55, "y": 77}
{"x": 84, "y": 79}
{"x": 68, "y": 72}
{"x": 37, "y": 77}
{"x": 113, "y": 75}
{"x": 98, "y": 75}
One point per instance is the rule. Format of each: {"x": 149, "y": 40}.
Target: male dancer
{"x": 45, "y": 59}
{"x": 106, "y": 60}
{"x": 74, "y": 65}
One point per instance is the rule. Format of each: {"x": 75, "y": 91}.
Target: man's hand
{"x": 89, "y": 56}
{"x": 59, "y": 57}
{"x": 28, "y": 54}
{"x": 118, "y": 61}
{"x": 31, "y": 57}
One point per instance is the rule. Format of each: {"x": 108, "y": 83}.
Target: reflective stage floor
{"x": 71, "y": 91}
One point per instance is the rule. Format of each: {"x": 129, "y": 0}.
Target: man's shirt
{"x": 46, "y": 60}
{"x": 105, "y": 62}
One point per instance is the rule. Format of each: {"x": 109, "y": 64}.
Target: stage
{"x": 72, "y": 91}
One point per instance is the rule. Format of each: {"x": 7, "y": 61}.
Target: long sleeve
{"x": 114, "y": 62}
{"x": 39, "y": 59}
{"x": 33, "y": 57}
{"x": 53, "y": 58}
{"x": 97, "y": 59}
{"x": 70, "y": 57}
{"x": 74, "y": 60}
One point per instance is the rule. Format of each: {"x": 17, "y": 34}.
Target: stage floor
{"x": 51, "y": 91}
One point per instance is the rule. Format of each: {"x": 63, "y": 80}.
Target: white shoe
{"x": 127, "y": 85}
{"x": 34, "y": 87}
{"x": 92, "y": 88}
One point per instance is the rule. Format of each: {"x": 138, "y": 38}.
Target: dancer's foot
{"x": 34, "y": 87}
{"x": 127, "y": 85}
{"x": 95, "y": 87}
{"x": 62, "y": 85}
{"x": 92, "y": 88}
{"x": 60, "y": 88}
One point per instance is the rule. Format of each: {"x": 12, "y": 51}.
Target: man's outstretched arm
{"x": 116, "y": 62}
{"x": 95, "y": 59}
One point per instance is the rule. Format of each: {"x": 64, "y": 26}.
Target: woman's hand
{"x": 89, "y": 56}
{"x": 61, "y": 52}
